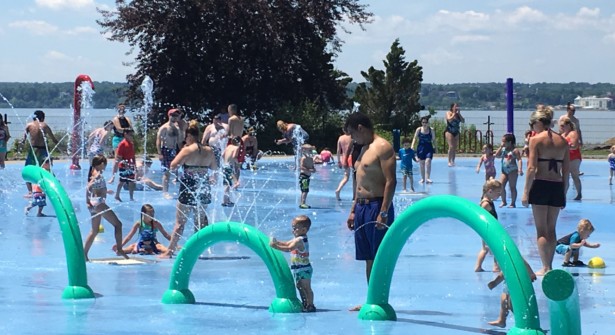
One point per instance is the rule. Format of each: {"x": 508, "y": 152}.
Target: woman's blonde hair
{"x": 282, "y": 126}
{"x": 543, "y": 114}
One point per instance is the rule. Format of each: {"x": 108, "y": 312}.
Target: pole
{"x": 509, "y": 106}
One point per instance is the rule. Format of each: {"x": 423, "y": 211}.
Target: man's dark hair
{"x": 40, "y": 115}
{"x": 356, "y": 119}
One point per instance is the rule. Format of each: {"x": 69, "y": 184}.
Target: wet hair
{"x": 585, "y": 225}
{"x": 107, "y": 123}
{"x": 452, "y": 105}
{"x": 491, "y": 184}
{"x": 425, "y": 118}
{"x": 144, "y": 209}
{"x": 96, "y": 160}
{"x": 405, "y": 140}
{"x": 356, "y": 119}
{"x": 510, "y": 138}
{"x": 39, "y": 115}
{"x": 193, "y": 129}
{"x": 302, "y": 221}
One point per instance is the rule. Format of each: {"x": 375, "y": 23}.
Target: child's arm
{"x": 519, "y": 161}
{"x": 592, "y": 245}
{"x": 480, "y": 163}
{"x": 496, "y": 281}
{"x": 498, "y": 153}
{"x": 161, "y": 229}
{"x": 287, "y": 246}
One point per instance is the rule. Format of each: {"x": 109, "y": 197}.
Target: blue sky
{"x": 454, "y": 41}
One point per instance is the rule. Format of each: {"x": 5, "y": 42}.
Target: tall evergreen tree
{"x": 259, "y": 54}
{"x": 391, "y": 96}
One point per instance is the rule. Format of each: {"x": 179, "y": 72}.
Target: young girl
{"x": 147, "y": 244}
{"x": 489, "y": 159}
{"x": 611, "y": 159}
{"x": 491, "y": 191}
{"x": 512, "y": 168}
{"x": 95, "y": 197}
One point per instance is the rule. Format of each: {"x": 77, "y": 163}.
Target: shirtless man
{"x": 375, "y": 185}
{"x": 215, "y": 135}
{"x": 343, "y": 147}
{"x": 230, "y": 169}
{"x": 38, "y": 131}
{"x": 235, "y": 131}
{"x": 167, "y": 144}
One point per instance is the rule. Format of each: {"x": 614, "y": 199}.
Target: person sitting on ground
{"x": 326, "y": 156}
{"x": 299, "y": 249}
{"x": 147, "y": 227}
{"x": 143, "y": 177}
{"x": 570, "y": 244}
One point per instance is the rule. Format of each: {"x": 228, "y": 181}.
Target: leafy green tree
{"x": 262, "y": 55}
{"x": 391, "y": 96}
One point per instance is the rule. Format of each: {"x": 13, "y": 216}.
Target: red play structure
{"x": 77, "y": 124}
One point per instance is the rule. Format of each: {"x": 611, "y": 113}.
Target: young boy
{"x": 38, "y": 196}
{"x": 570, "y": 244}
{"x": 307, "y": 167}
{"x": 299, "y": 249}
{"x": 505, "y": 303}
{"x": 406, "y": 156}
{"x": 125, "y": 161}
{"x": 230, "y": 168}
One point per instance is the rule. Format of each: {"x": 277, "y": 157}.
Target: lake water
{"x": 595, "y": 124}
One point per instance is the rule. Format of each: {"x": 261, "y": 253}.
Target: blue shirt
{"x": 406, "y": 156}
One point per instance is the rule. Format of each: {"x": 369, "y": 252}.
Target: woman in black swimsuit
{"x": 546, "y": 178}
{"x": 194, "y": 190}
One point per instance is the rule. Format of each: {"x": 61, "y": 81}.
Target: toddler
{"x": 570, "y": 244}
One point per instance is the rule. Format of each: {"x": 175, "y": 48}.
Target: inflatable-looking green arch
{"x": 377, "y": 305}
{"x": 178, "y": 293}
{"x": 71, "y": 235}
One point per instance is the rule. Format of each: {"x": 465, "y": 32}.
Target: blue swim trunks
{"x": 366, "y": 237}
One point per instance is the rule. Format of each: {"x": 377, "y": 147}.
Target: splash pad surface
{"x": 434, "y": 290}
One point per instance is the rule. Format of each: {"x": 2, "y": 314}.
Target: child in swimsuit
{"x": 307, "y": 167}
{"x": 299, "y": 249}
{"x": 38, "y": 196}
{"x": 512, "y": 168}
{"x": 491, "y": 191}
{"x": 148, "y": 226}
{"x": 489, "y": 159}
{"x": 570, "y": 244}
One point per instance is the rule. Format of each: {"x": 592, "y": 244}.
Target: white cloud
{"x": 460, "y": 21}
{"x": 82, "y": 30}
{"x": 35, "y": 27}
{"x": 610, "y": 38}
{"x": 462, "y": 39}
{"x": 55, "y": 56}
{"x": 439, "y": 56}
{"x": 526, "y": 14}
{"x": 65, "y": 4}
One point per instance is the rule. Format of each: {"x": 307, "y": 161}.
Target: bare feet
{"x": 118, "y": 199}
{"x": 479, "y": 270}
{"x": 512, "y": 206}
{"x": 498, "y": 323}
{"x": 166, "y": 254}
{"x": 421, "y": 181}
{"x": 503, "y": 204}
{"x": 578, "y": 197}
{"x": 337, "y": 196}
{"x": 542, "y": 272}
{"x": 121, "y": 252}
{"x": 41, "y": 215}
{"x": 429, "y": 181}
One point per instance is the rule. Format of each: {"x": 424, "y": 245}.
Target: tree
{"x": 260, "y": 54}
{"x": 391, "y": 97}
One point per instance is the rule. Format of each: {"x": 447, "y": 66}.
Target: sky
{"x": 453, "y": 41}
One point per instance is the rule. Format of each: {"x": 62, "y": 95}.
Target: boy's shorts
{"x": 406, "y": 171}
{"x": 303, "y": 273}
{"x": 562, "y": 249}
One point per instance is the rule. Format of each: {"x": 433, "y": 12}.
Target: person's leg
{"x": 482, "y": 253}
{"x": 428, "y": 170}
{"x": 450, "y": 143}
{"x": 501, "y": 321}
{"x": 411, "y": 180}
{"x": 404, "y": 182}
{"x": 200, "y": 218}
{"x": 302, "y": 293}
{"x": 422, "y": 168}
{"x": 544, "y": 219}
{"x": 368, "y": 268}
{"x": 575, "y": 166}
{"x": 165, "y": 181}
{"x": 120, "y": 184}
{"x": 178, "y": 230}
{"x": 454, "y": 149}
{"x": 504, "y": 181}
{"x": 512, "y": 184}
{"x": 131, "y": 190}
{"x": 96, "y": 218}
{"x": 112, "y": 218}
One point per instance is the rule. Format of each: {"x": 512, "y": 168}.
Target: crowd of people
{"x": 365, "y": 157}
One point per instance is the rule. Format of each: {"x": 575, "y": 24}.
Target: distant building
{"x": 593, "y": 102}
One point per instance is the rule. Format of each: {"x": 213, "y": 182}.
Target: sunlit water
{"x": 434, "y": 288}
